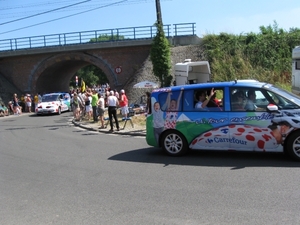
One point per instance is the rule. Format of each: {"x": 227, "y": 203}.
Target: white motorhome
{"x": 190, "y": 72}
{"x": 296, "y": 70}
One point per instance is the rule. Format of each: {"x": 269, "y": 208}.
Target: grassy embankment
{"x": 265, "y": 56}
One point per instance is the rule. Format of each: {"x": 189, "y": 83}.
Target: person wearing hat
{"x": 124, "y": 104}
{"x": 117, "y": 94}
{"x": 112, "y": 102}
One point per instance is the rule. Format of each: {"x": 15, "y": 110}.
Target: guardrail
{"x": 84, "y": 37}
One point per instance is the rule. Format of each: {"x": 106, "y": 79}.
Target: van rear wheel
{"x": 174, "y": 143}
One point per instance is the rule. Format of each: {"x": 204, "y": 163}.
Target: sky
{"x": 27, "y": 18}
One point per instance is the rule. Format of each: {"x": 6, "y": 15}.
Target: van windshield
{"x": 291, "y": 101}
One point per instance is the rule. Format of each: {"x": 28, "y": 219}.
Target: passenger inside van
{"x": 203, "y": 99}
{"x": 251, "y": 99}
{"x": 213, "y": 103}
{"x": 237, "y": 101}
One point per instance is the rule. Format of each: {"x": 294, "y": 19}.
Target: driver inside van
{"x": 250, "y": 104}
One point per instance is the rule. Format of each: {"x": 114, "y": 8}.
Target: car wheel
{"x": 174, "y": 143}
{"x": 59, "y": 111}
{"x": 293, "y": 146}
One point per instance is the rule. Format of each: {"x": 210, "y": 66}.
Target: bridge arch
{"x": 55, "y": 72}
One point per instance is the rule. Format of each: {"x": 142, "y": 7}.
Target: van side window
{"x": 204, "y": 101}
{"x": 171, "y": 101}
{"x": 188, "y": 100}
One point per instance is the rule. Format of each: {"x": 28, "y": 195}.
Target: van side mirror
{"x": 272, "y": 108}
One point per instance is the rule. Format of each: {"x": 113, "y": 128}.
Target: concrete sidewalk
{"x": 136, "y": 130}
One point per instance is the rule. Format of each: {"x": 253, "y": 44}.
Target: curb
{"x": 141, "y": 133}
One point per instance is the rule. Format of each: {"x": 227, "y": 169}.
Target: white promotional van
{"x": 189, "y": 72}
{"x": 296, "y": 70}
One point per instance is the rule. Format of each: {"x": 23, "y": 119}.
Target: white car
{"x": 52, "y": 104}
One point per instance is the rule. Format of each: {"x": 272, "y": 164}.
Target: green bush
{"x": 265, "y": 56}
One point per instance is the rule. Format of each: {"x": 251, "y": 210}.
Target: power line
{"x": 44, "y": 12}
{"x": 123, "y": 2}
{"x": 9, "y": 12}
{"x": 30, "y": 5}
{"x": 64, "y": 17}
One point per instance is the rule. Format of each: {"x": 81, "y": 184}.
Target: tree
{"x": 91, "y": 75}
{"x": 160, "y": 56}
{"x": 105, "y": 37}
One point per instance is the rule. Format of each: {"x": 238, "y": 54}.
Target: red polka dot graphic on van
{"x": 236, "y": 137}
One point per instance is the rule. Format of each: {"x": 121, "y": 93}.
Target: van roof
{"x": 236, "y": 83}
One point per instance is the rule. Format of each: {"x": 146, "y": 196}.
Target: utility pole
{"x": 158, "y": 12}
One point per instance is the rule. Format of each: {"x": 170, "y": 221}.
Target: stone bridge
{"x": 51, "y": 69}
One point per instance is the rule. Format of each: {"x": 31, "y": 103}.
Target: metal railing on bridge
{"x": 85, "y": 37}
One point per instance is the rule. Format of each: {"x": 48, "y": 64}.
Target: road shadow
{"x": 234, "y": 160}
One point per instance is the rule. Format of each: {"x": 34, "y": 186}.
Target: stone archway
{"x": 55, "y": 72}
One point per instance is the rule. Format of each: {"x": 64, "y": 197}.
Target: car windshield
{"x": 49, "y": 98}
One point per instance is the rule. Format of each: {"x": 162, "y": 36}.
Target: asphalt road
{"x": 54, "y": 173}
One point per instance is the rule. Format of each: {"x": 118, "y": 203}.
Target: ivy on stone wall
{"x": 160, "y": 56}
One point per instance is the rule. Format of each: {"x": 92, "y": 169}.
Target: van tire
{"x": 292, "y": 145}
{"x": 174, "y": 143}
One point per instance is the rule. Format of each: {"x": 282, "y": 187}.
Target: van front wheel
{"x": 174, "y": 143}
{"x": 293, "y": 146}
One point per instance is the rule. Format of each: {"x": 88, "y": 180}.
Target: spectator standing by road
{"x": 81, "y": 97}
{"x": 39, "y": 97}
{"x": 16, "y": 107}
{"x": 112, "y": 102}
{"x": 35, "y": 101}
{"x": 117, "y": 94}
{"x": 28, "y": 102}
{"x": 23, "y": 103}
{"x": 76, "y": 103}
{"x": 124, "y": 104}
{"x": 94, "y": 105}
{"x": 106, "y": 96}
{"x": 101, "y": 109}
{"x": 88, "y": 105}
{"x": 10, "y": 108}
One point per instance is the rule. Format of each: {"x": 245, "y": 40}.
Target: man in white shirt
{"x": 112, "y": 103}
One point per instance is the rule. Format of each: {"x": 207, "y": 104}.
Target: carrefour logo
{"x": 232, "y": 140}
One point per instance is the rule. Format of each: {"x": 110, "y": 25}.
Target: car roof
{"x": 55, "y": 93}
{"x": 52, "y": 94}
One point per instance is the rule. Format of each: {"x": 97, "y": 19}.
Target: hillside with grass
{"x": 265, "y": 56}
